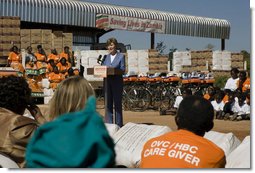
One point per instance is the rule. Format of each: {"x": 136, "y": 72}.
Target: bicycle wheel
{"x": 138, "y": 99}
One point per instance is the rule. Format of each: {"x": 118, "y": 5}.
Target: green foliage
{"x": 209, "y": 46}
{"x": 161, "y": 47}
{"x": 220, "y": 81}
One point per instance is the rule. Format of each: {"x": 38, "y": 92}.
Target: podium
{"x": 109, "y": 71}
{"x": 104, "y": 72}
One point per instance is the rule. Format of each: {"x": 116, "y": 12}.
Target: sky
{"x": 237, "y": 12}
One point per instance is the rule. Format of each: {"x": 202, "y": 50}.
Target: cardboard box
{"x": 36, "y": 32}
{"x": 36, "y": 39}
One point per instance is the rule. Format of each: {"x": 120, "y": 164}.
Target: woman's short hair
{"x": 15, "y": 93}
{"x": 70, "y": 96}
{"x": 111, "y": 40}
{"x": 195, "y": 114}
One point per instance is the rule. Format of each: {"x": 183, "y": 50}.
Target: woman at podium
{"x": 113, "y": 84}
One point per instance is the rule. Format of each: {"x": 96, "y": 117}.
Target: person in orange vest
{"x": 63, "y": 66}
{"x": 41, "y": 60}
{"x": 51, "y": 64}
{"x": 54, "y": 55}
{"x": 72, "y": 72}
{"x": 14, "y": 60}
{"x": 209, "y": 95}
{"x": 243, "y": 84}
{"x": 66, "y": 54}
{"x": 186, "y": 147}
{"x": 55, "y": 78}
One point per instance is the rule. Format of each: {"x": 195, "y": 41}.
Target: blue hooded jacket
{"x": 73, "y": 140}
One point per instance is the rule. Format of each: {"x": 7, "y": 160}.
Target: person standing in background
{"x": 114, "y": 84}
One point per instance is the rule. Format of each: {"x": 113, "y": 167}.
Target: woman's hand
{"x": 36, "y": 113}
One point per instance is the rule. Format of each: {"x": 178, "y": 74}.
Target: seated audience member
{"x": 55, "y": 78}
{"x": 186, "y": 147}
{"x": 77, "y": 136}
{"x": 54, "y": 56}
{"x": 228, "y": 107}
{"x": 41, "y": 60}
{"x": 210, "y": 94}
{"x": 72, "y": 72}
{"x": 231, "y": 82}
{"x": 30, "y": 59}
{"x": 16, "y": 129}
{"x": 218, "y": 104}
{"x": 226, "y": 97}
{"x": 51, "y": 64}
{"x": 14, "y": 59}
{"x": 241, "y": 109}
{"x": 243, "y": 84}
{"x": 63, "y": 66}
{"x": 186, "y": 92}
{"x": 67, "y": 54}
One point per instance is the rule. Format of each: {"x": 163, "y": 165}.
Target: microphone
{"x": 99, "y": 59}
{"x": 103, "y": 59}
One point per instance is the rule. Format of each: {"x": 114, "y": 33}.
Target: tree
{"x": 161, "y": 47}
{"x": 209, "y": 46}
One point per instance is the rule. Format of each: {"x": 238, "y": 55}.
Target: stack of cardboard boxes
{"x": 46, "y": 38}
{"x": 9, "y": 36}
{"x": 157, "y": 63}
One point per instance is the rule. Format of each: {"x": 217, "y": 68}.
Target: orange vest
{"x": 41, "y": 60}
{"x": 15, "y": 61}
{"x": 63, "y": 68}
{"x": 55, "y": 79}
{"x": 246, "y": 84}
{"x": 63, "y": 55}
{"x": 13, "y": 57}
{"x": 49, "y": 68}
{"x": 181, "y": 149}
{"x": 54, "y": 57}
{"x": 207, "y": 96}
{"x": 225, "y": 99}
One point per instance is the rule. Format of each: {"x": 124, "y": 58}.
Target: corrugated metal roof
{"x": 79, "y": 13}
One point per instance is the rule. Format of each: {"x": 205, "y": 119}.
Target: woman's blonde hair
{"x": 70, "y": 96}
{"x": 111, "y": 40}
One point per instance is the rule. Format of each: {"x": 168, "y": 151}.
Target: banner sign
{"x": 104, "y": 21}
{"x": 100, "y": 71}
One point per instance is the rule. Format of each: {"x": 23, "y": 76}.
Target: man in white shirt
{"x": 241, "y": 109}
{"x": 218, "y": 104}
{"x": 231, "y": 83}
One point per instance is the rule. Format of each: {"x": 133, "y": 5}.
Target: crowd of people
{"x": 233, "y": 102}
{"x": 230, "y": 103}
{"x": 55, "y": 66}
{"x": 75, "y": 136}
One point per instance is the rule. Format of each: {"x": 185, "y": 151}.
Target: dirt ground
{"x": 240, "y": 129}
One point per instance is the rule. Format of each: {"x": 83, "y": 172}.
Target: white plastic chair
{"x": 6, "y": 162}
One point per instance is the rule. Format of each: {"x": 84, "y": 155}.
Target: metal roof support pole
{"x": 152, "y": 40}
{"x": 222, "y": 44}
